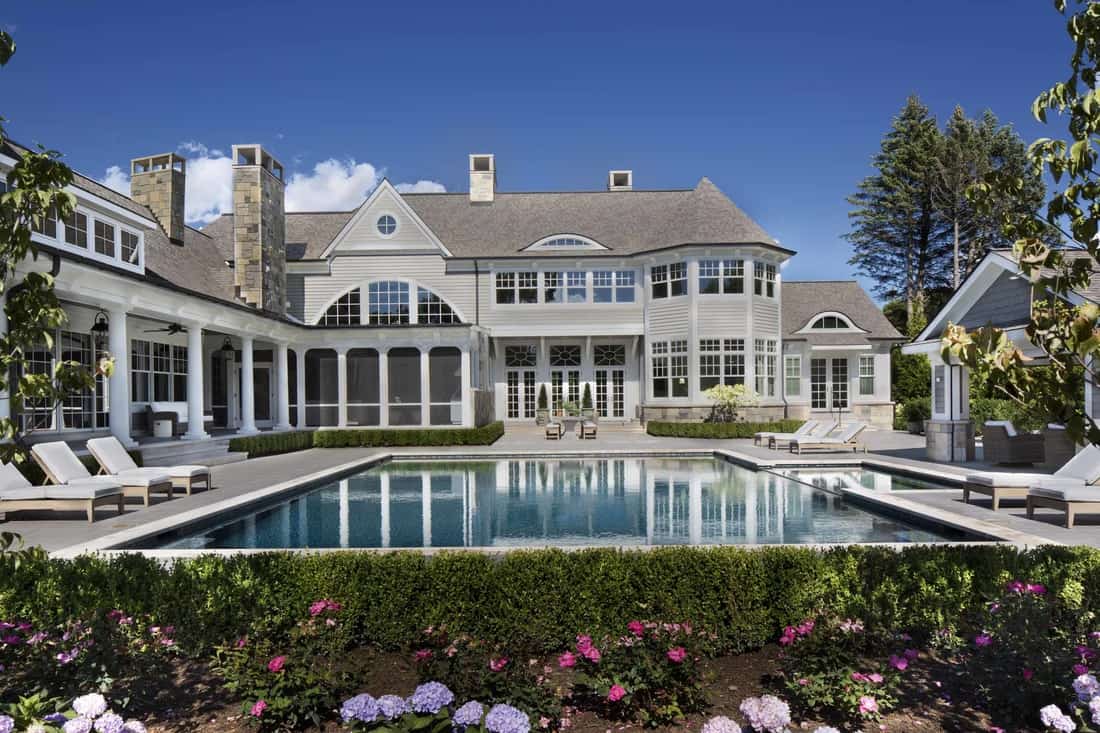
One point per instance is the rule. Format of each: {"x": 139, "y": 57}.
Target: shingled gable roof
{"x": 802, "y": 300}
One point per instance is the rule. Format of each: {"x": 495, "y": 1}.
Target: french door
{"x": 829, "y": 384}
{"x": 610, "y": 392}
{"x": 521, "y": 393}
{"x": 565, "y": 385}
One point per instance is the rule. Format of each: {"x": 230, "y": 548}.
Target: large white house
{"x": 440, "y": 309}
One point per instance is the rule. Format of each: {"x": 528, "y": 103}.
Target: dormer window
{"x": 830, "y": 323}
{"x": 561, "y": 242}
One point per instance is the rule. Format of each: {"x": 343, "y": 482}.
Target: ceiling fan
{"x": 171, "y": 329}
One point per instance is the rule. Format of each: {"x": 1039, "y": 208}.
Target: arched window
{"x": 344, "y": 312}
{"x": 430, "y": 308}
{"x": 828, "y": 323}
{"x": 566, "y": 242}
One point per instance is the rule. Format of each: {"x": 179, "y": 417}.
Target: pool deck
{"x": 249, "y": 482}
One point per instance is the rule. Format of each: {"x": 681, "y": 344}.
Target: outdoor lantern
{"x": 227, "y": 346}
{"x": 100, "y": 329}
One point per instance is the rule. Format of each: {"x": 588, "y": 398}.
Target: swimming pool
{"x": 559, "y": 502}
{"x": 833, "y": 479}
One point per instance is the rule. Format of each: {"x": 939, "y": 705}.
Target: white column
{"x": 195, "y": 388}
{"x": 425, "y": 395}
{"x": 383, "y": 388}
{"x": 5, "y": 399}
{"x": 300, "y": 378}
{"x": 248, "y": 392}
{"x": 282, "y": 387}
{"x": 342, "y": 387}
{"x": 119, "y": 346}
{"x": 467, "y": 389}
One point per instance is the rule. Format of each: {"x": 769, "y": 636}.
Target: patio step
{"x": 211, "y": 452}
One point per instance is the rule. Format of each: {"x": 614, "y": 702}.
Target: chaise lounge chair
{"x": 62, "y": 467}
{"x": 1002, "y": 443}
{"x": 1084, "y": 468}
{"x": 1072, "y": 491}
{"x": 803, "y": 429}
{"x": 554, "y": 431}
{"x": 818, "y": 431}
{"x": 18, "y": 494}
{"x": 847, "y": 437}
{"x": 114, "y": 460}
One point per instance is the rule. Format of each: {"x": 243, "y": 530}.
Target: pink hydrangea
{"x": 566, "y": 660}
{"x": 899, "y": 663}
{"x": 498, "y": 664}
{"x": 982, "y": 640}
{"x": 616, "y": 693}
{"x": 422, "y": 655}
{"x": 636, "y": 627}
{"x": 258, "y": 709}
{"x": 676, "y": 654}
{"x": 868, "y": 705}
{"x": 276, "y": 664}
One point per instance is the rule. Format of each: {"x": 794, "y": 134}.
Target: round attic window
{"x": 387, "y": 225}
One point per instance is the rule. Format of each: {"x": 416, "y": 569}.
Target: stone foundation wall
{"x": 484, "y": 407}
{"x": 949, "y": 441}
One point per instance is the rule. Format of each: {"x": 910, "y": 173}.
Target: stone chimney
{"x": 259, "y": 228}
{"x": 158, "y": 182}
{"x": 620, "y": 180}
{"x": 483, "y": 178}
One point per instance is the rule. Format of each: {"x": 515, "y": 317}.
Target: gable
{"x": 384, "y": 224}
{"x": 1007, "y": 302}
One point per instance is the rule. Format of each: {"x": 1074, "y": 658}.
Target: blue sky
{"x": 781, "y": 104}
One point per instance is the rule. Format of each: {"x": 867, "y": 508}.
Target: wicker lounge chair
{"x": 1002, "y": 443}
{"x": 803, "y": 429}
{"x": 115, "y": 461}
{"x": 18, "y": 494}
{"x": 63, "y": 467}
{"x": 818, "y": 431}
{"x": 1073, "y": 490}
{"x": 588, "y": 430}
{"x": 845, "y": 437}
{"x": 554, "y": 431}
{"x": 1084, "y": 468}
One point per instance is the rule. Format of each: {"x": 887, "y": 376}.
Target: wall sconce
{"x": 100, "y": 329}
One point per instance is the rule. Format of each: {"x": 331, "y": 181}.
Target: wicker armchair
{"x": 1058, "y": 449}
{"x": 1002, "y": 444}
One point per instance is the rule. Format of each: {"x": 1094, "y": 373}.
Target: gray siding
{"x": 765, "y": 318}
{"x": 1007, "y": 302}
{"x": 668, "y": 317}
{"x": 723, "y": 316}
{"x": 296, "y": 295}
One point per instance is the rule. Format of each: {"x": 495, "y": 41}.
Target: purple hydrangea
{"x": 721, "y": 724}
{"x": 392, "y": 707}
{"x": 78, "y": 725}
{"x": 134, "y": 726}
{"x": 7, "y": 725}
{"x": 766, "y": 713}
{"x": 362, "y": 708}
{"x": 826, "y": 729}
{"x": 56, "y": 719}
{"x": 469, "y": 714}
{"x": 1086, "y": 687}
{"x": 1053, "y": 717}
{"x": 109, "y": 723}
{"x": 507, "y": 719}
{"x": 90, "y": 706}
{"x": 1094, "y": 710}
{"x": 431, "y": 697}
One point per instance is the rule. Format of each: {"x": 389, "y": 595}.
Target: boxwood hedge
{"x": 540, "y": 599}
{"x": 723, "y": 430}
{"x": 269, "y": 444}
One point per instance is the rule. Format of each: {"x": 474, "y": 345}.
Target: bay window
{"x": 764, "y": 279}
{"x": 721, "y": 276}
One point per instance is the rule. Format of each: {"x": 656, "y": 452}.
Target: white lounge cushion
{"x": 805, "y": 429}
{"x": 30, "y": 492}
{"x": 61, "y": 461}
{"x": 182, "y": 471}
{"x": 82, "y": 490}
{"x": 111, "y": 455}
{"x": 1085, "y": 465}
{"x": 12, "y": 478}
{"x": 1006, "y": 424}
{"x": 141, "y": 477}
{"x": 1067, "y": 492}
{"x": 1005, "y": 480}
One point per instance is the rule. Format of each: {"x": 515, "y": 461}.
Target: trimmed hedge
{"x": 269, "y": 444}
{"x": 722, "y": 430}
{"x": 540, "y": 599}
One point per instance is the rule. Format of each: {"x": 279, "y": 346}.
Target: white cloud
{"x": 332, "y": 185}
{"x": 117, "y": 179}
{"x": 421, "y": 187}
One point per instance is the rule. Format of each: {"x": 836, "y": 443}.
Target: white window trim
{"x": 721, "y": 277}
{"x": 866, "y": 359}
{"x": 89, "y": 252}
{"x": 792, "y": 359}
{"x": 808, "y": 327}
{"x": 414, "y": 311}
{"x": 545, "y": 243}
{"x": 396, "y": 224}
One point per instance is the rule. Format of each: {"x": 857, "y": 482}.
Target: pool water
{"x": 856, "y": 478}
{"x": 559, "y": 502}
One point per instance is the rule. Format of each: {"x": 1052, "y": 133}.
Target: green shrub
{"x": 911, "y": 376}
{"x": 270, "y": 444}
{"x": 722, "y": 430}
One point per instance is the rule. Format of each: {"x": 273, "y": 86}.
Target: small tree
{"x": 542, "y": 398}
{"x": 728, "y": 400}
{"x": 586, "y": 397}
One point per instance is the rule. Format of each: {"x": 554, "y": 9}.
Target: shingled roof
{"x": 804, "y": 299}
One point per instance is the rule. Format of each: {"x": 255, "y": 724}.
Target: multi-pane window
{"x": 721, "y": 361}
{"x": 162, "y": 372}
{"x": 129, "y": 242}
{"x": 576, "y": 290}
{"x": 551, "y": 288}
{"x": 517, "y": 287}
{"x": 721, "y": 276}
{"x": 668, "y": 280}
{"x": 141, "y": 367}
{"x": 867, "y": 375}
{"x": 609, "y": 355}
{"x": 765, "y": 353}
{"x": 819, "y": 384}
{"x": 565, "y": 355}
{"x": 830, "y": 323}
{"x": 78, "y": 406}
{"x": 37, "y": 414}
{"x": 840, "y": 384}
{"x": 387, "y": 302}
{"x": 48, "y": 225}
{"x": 430, "y": 308}
{"x": 669, "y": 368}
{"x": 792, "y": 375}
{"x": 179, "y": 373}
{"x": 520, "y": 356}
{"x": 613, "y": 286}
{"x": 104, "y": 239}
{"x": 764, "y": 279}
{"x": 76, "y": 229}
{"x": 343, "y": 312}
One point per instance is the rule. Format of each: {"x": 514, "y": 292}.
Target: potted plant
{"x": 570, "y": 408}
{"x": 542, "y": 414}
{"x": 916, "y": 412}
{"x": 587, "y": 412}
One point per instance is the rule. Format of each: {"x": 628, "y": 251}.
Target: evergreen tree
{"x": 898, "y": 234}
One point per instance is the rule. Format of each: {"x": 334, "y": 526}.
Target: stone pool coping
{"x": 893, "y": 503}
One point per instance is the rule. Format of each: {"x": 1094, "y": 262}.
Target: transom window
{"x": 764, "y": 279}
{"x": 388, "y": 304}
{"x": 344, "y": 312}
{"x": 668, "y": 280}
{"x": 721, "y": 276}
{"x": 387, "y": 225}
{"x": 613, "y": 286}
{"x": 609, "y": 354}
{"x": 566, "y": 242}
{"x": 524, "y": 355}
{"x": 517, "y": 287}
{"x": 564, "y": 355}
{"x": 830, "y": 322}
{"x": 669, "y": 369}
{"x": 721, "y": 361}
{"x": 430, "y": 308}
